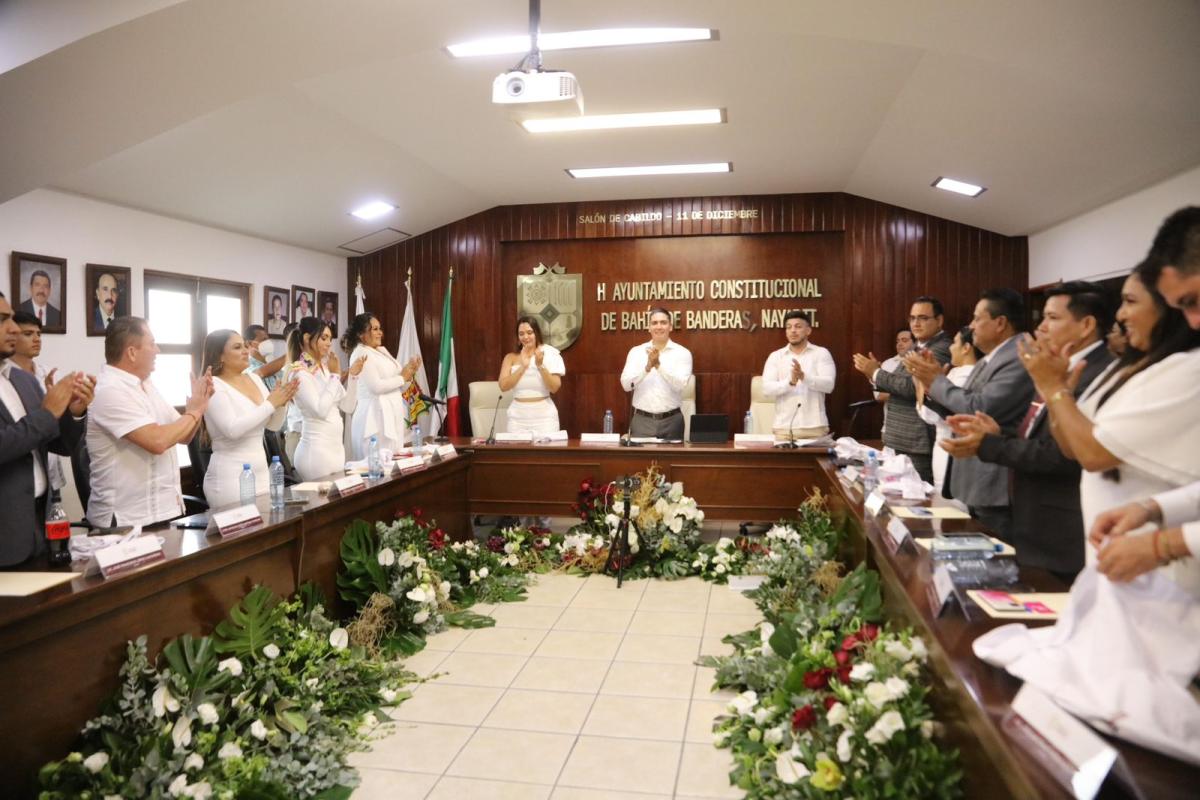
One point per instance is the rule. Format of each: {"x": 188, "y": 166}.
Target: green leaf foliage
{"x": 252, "y": 624}
{"x": 469, "y": 619}
{"x": 361, "y": 575}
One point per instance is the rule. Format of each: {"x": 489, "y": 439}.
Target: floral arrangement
{"x": 269, "y": 706}
{"x": 830, "y": 704}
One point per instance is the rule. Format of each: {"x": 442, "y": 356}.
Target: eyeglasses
{"x": 919, "y": 318}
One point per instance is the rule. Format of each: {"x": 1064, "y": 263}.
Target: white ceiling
{"x": 275, "y": 117}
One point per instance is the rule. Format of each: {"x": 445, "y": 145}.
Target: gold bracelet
{"x": 1060, "y": 394}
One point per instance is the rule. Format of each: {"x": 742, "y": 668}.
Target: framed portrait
{"x": 327, "y": 310}
{"x": 276, "y": 310}
{"x": 108, "y": 289}
{"x": 304, "y": 302}
{"x": 39, "y": 286}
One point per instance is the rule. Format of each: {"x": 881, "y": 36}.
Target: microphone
{"x": 790, "y": 444}
{"x": 433, "y": 401}
{"x": 491, "y": 439}
{"x": 628, "y": 440}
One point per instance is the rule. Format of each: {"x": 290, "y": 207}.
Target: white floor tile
{"x": 629, "y": 765}
{"x": 704, "y": 772}
{"x": 455, "y": 788}
{"x": 579, "y": 644}
{"x": 385, "y": 784}
{"x": 479, "y": 669}
{"x": 700, "y": 720}
{"x": 562, "y": 675}
{"x": 637, "y": 718}
{"x": 447, "y": 640}
{"x": 540, "y": 711}
{"x": 520, "y": 615}
{"x": 718, "y": 625}
{"x": 575, "y": 793}
{"x": 659, "y": 649}
{"x": 503, "y": 641}
{"x": 505, "y": 755}
{"x": 636, "y": 679}
{"x": 456, "y": 705}
{"x": 667, "y": 623}
{"x": 415, "y": 747}
{"x": 597, "y": 620}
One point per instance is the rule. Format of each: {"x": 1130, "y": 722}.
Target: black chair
{"x": 81, "y": 472}
{"x": 855, "y": 410}
{"x": 273, "y": 444}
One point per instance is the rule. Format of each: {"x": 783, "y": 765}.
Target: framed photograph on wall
{"x": 304, "y": 302}
{"x": 327, "y": 310}
{"x": 276, "y": 310}
{"x": 39, "y": 287}
{"x": 107, "y": 297}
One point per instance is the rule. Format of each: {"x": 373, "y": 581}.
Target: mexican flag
{"x": 447, "y": 388}
{"x": 410, "y": 346}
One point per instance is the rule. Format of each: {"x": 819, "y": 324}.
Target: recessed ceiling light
{"x": 570, "y": 40}
{"x": 663, "y": 169}
{"x": 373, "y": 210}
{"x": 651, "y": 119}
{"x": 951, "y": 185}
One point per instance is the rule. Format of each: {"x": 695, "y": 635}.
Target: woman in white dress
{"x": 1134, "y": 430}
{"x": 321, "y": 399}
{"x": 533, "y": 372}
{"x": 963, "y": 356}
{"x": 240, "y": 408}
{"x": 381, "y": 409}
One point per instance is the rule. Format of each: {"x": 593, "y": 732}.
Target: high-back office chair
{"x": 81, "y": 473}
{"x": 484, "y": 396}
{"x": 273, "y": 444}
{"x": 762, "y": 408}
{"x": 687, "y": 405}
{"x": 855, "y": 409}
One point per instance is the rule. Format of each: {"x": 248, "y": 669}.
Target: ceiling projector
{"x": 545, "y": 94}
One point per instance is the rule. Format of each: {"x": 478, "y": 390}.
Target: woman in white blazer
{"x": 240, "y": 409}
{"x": 381, "y": 409}
{"x": 321, "y": 398}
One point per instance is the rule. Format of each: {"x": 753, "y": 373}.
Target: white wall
{"x": 88, "y": 231}
{"x": 1112, "y": 239}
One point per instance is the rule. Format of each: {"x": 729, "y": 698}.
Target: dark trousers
{"x": 997, "y": 518}
{"x": 923, "y": 464}
{"x": 670, "y": 427}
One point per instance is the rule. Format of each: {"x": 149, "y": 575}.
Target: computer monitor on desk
{"x": 709, "y": 429}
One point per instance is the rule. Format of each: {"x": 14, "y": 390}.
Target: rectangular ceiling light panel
{"x": 651, "y": 119}
{"x": 662, "y": 169}
{"x": 571, "y": 40}
{"x": 959, "y": 187}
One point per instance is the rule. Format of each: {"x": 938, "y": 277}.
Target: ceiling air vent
{"x": 378, "y": 240}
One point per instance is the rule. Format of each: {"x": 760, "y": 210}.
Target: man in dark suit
{"x": 1000, "y": 387}
{"x": 31, "y": 423}
{"x": 1047, "y": 521}
{"x": 108, "y": 298}
{"x": 905, "y": 431}
{"x": 38, "y": 303}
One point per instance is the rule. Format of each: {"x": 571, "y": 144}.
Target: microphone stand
{"x": 433, "y": 401}
{"x": 790, "y": 444}
{"x": 627, "y": 441}
{"x": 491, "y": 439}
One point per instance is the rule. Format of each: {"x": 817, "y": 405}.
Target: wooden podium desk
{"x": 973, "y": 697}
{"x": 728, "y": 482}
{"x": 61, "y": 649}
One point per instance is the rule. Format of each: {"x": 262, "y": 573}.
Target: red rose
{"x": 850, "y": 642}
{"x": 803, "y": 718}
{"x": 817, "y": 679}
{"x": 869, "y": 633}
{"x": 437, "y": 538}
{"x": 400, "y": 512}
{"x": 830, "y": 702}
{"x": 416, "y": 512}
{"x": 585, "y": 486}
{"x": 495, "y": 544}
{"x": 842, "y": 657}
{"x": 843, "y": 674}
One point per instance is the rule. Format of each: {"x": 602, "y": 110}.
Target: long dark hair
{"x": 1170, "y": 335}
{"x": 532, "y": 322}
{"x": 312, "y": 327}
{"x": 357, "y": 327}
{"x": 214, "y": 348}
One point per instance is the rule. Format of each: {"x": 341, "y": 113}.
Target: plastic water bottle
{"x": 275, "y": 472}
{"x": 374, "y": 464}
{"x": 608, "y": 421}
{"x": 417, "y": 437}
{"x": 748, "y": 422}
{"x": 246, "y": 488}
{"x": 870, "y": 473}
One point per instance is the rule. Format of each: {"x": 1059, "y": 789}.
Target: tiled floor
{"x": 583, "y": 692}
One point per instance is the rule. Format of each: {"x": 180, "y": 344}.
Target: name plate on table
{"x": 551, "y": 438}
{"x": 405, "y": 466}
{"x": 941, "y": 590}
{"x": 874, "y": 503}
{"x": 1077, "y": 758}
{"x": 754, "y": 440}
{"x": 897, "y": 532}
{"x": 348, "y": 485}
{"x": 122, "y": 557}
{"x": 599, "y": 438}
{"x": 850, "y": 473}
{"x": 447, "y": 451}
{"x": 523, "y": 436}
{"x": 238, "y": 520}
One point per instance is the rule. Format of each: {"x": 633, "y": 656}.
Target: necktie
{"x": 1026, "y": 425}
{"x": 42, "y": 315}
{"x": 107, "y": 322}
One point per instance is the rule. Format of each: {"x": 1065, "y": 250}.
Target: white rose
{"x": 194, "y": 761}
{"x": 511, "y": 547}
{"x": 844, "y": 750}
{"x": 676, "y": 491}
{"x": 258, "y": 730}
{"x": 229, "y": 750}
{"x": 773, "y": 736}
{"x": 765, "y": 632}
{"x": 271, "y": 651}
{"x": 761, "y": 716}
{"x": 181, "y": 733}
{"x": 720, "y": 739}
{"x": 96, "y": 761}
{"x": 208, "y": 713}
{"x": 699, "y": 516}
{"x": 474, "y": 577}
{"x": 743, "y": 705}
{"x": 483, "y": 572}
{"x": 386, "y": 557}
{"x": 162, "y": 701}
{"x": 388, "y": 695}
{"x": 897, "y": 687}
{"x": 420, "y": 617}
{"x": 339, "y": 639}
{"x": 445, "y": 587}
{"x": 837, "y": 714}
{"x": 897, "y": 651}
{"x": 885, "y": 727}
{"x": 230, "y": 665}
{"x": 178, "y": 787}
{"x": 862, "y": 671}
{"x": 917, "y": 645}
{"x": 877, "y": 694}
{"x": 721, "y": 569}
{"x": 788, "y": 769}
{"x": 200, "y": 791}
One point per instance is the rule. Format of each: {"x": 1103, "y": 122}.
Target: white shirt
{"x": 133, "y": 484}
{"x": 12, "y": 401}
{"x": 660, "y": 389}
{"x": 1182, "y": 507}
{"x": 808, "y": 394}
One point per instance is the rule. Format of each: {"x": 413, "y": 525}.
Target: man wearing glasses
{"x": 905, "y": 431}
